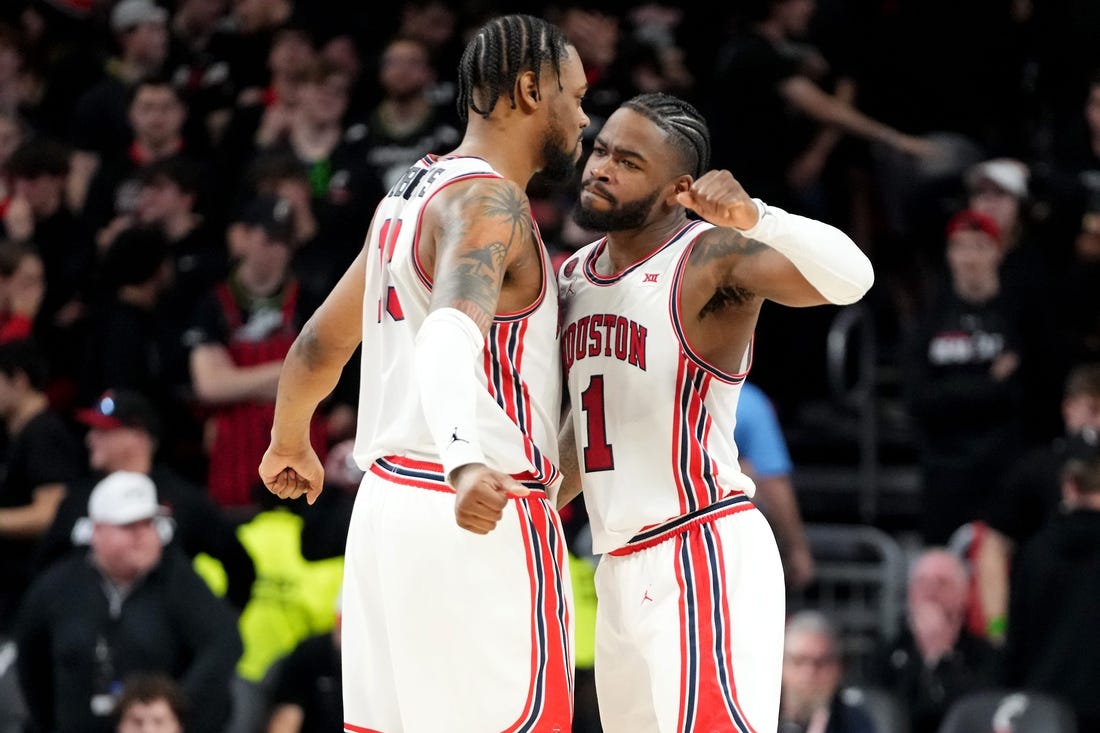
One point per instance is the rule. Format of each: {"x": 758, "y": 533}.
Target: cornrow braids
{"x": 684, "y": 124}
{"x": 502, "y": 49}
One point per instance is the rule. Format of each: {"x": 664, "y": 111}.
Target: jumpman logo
{"x": 646, "y": 597}
{"x": 456, "y": 439}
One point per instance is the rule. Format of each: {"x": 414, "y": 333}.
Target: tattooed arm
{"x": 482, "y": 230}
{"x": 783, "y": 257}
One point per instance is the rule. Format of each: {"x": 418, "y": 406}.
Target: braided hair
{"x": 502, "y": 49}
{"x": 685, "y": 126}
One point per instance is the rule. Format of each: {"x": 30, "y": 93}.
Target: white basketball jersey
{"x": 654, "y": 422}
{"x": 518, "y": 410}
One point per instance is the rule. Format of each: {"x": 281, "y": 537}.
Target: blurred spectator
{"x": 335, "y": 157}
{"x": 246, "y": 41}
{"x": 262, "y": 114}
{"x": 151, "y": 703}
{"x": 1031, "y": 494}
{"x": 142, "y": 609}
{"x": 1000, "y": 189}
{"x": 307, "y": 689}
{"x": 202, "y": 79}
{"x": 1053, "y": 641}
{"x": 1072, "y": 166}
{"x": 1077, "y": 298}
{"x": 39, "y": 214}
{"x": 22, "y": 287}
{"x": 764, "y": 457}
{"x": 407, "y": 123}
{"x": 100, "y": 125}
{"x": 962, "y": 382}
{"x": 156, "y": 114}
{"x": 124, "y": 434}
{"x": 124, "y": 343}
{"x": 812, "y": 676}
{"x": 773, "y": 79}
{"x": 936, "y": 659}
{"x": 238, "y": 339}
{"x": 42, "y": 456}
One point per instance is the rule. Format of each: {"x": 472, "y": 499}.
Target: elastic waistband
{"x": 657, "y": 534}
{"x": 429, "y": 475}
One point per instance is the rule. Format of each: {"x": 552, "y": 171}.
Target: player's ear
{"x": 527, "y": 92}
{"x": 679, "y": 185}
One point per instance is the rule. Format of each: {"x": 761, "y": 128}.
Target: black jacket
{"x": 170, "y": 622}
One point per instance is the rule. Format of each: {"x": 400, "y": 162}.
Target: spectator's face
{"x": 973, "y": 258}
{"x": 405, "y": 71}
{"x": 114, "y": 449}
{"x": 938, "y": 578}
{"x": 149, "y": 717}
{"x": 43, "y": 193}
{"x": 161, "y": 199}
{"x": 811, "y": 673}
{"x": 795, "y": 16}
{"x": 326, "y": 101}
{"x": 291, "y": 53}
{"x": 1081, "y": 412}
{"x": 147, "y": 44}
{"x": 204, "y": 13}
{"x": 125, "y": 552}
{"x": 996, "y": 203}
{"x": 156, "y": 115}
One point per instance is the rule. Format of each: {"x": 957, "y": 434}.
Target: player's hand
{"x": 481, "y": 494}
{"x": 799, "y": 567}
{"x": 290, "y": 474}
{"x": 720, "y": 199}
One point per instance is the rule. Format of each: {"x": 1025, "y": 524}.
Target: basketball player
{"x": 457, "y": 613}
{"x": 658, "y": 322}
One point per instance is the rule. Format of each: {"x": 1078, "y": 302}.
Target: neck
{"x": 630, "y": 246}
{"x": 508, "y": 152}
{"x": 979, "y": 291}
{"x": 260, "y": 284}
{"x": 136, "y": 462}
{"x": 28, "y": 408}
{"x": 159, "y": 149}
{"x": 314, "y": 140}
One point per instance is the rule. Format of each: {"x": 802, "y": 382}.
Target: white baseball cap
{"x": 1007, "y": 174}
{"x": 132, "y": 13}
{"x": 123, "y": 497}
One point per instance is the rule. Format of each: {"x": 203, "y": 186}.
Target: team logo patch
{"x": 649, "y": 277}
{"x": 571, "y": 265}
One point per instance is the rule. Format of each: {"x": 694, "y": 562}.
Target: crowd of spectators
{"x": 182, "y": 181}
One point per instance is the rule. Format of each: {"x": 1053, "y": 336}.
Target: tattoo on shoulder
{"x": 477, "y": 280}
{"x": 722, "y": 243}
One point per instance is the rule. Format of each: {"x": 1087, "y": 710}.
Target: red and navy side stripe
{"x": 709, "y": 692}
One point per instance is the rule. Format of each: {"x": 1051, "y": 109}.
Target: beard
{"x": 559, "y": 155}
{"x": 620, "y": 217}
{"x": 559, "y": 163}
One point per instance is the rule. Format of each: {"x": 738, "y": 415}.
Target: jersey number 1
{"x": 598, "y": 454}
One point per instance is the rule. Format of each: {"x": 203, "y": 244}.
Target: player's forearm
{"x": 449, "y": 348}
{"x": 825, "y": 256}
{"x": 570, "y": 467}
{"x": 309, "y": 374}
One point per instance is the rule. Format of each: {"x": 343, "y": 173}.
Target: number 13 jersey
{"x": 653, "y": 421}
